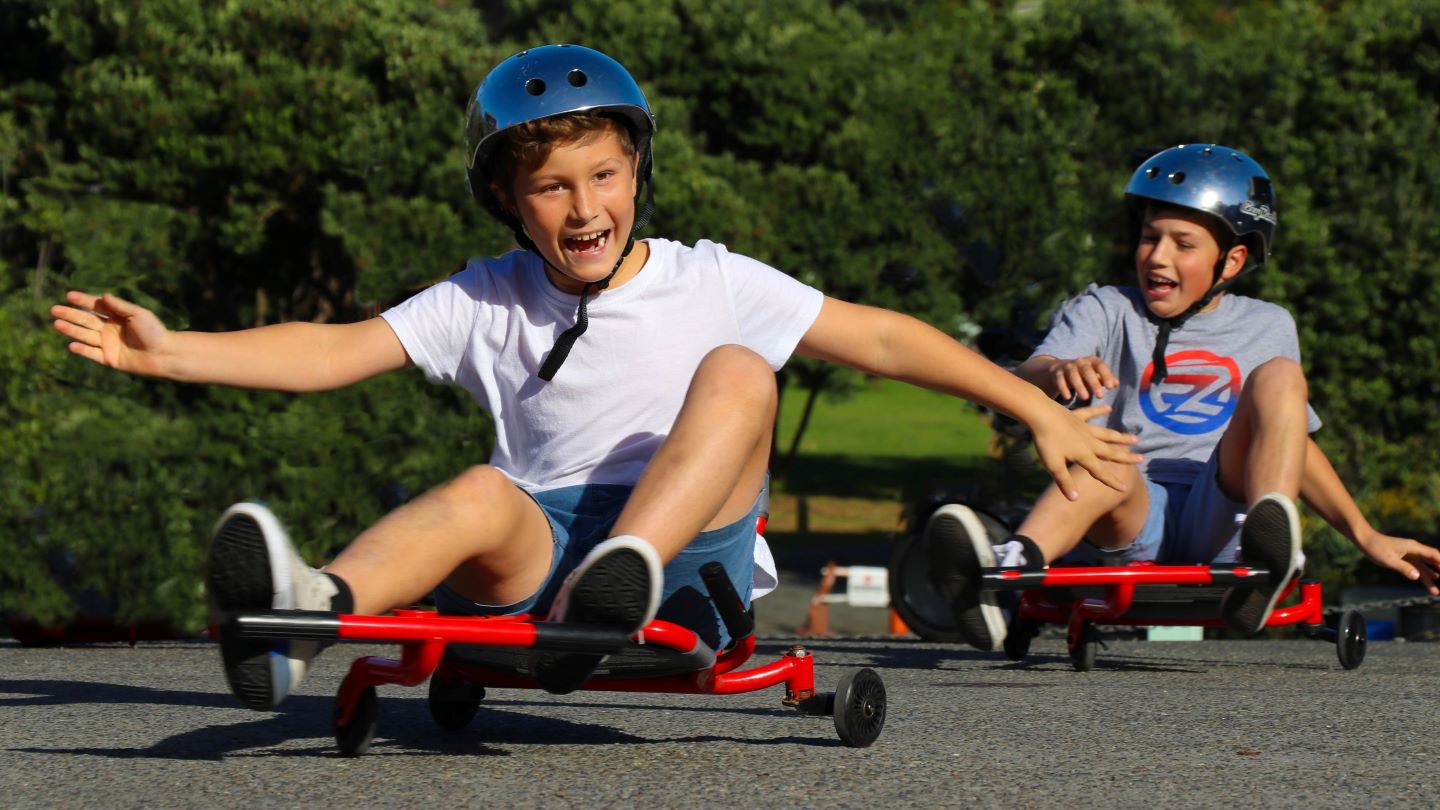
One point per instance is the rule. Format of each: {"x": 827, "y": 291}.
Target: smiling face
{"x": 1175, "y": 260}
{"x": 578, "y": 206}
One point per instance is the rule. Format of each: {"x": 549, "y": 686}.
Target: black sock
{"x": 344, "y": 600}
{"x": 1034, "y": 558}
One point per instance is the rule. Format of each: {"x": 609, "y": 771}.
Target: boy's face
{"x": 578, "y": 207}
{"x": 1175, "y": 260}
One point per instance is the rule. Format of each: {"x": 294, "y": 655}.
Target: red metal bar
{"x": 1309, "y": 610}
{"x": 797, "y": 671}
{"x": 416, "y": 663}
{"x": 1037, "y": 605}
{"x": 501, "y": 630}
{"x": 667, "y": 635}
{"x": 735, "y": 656}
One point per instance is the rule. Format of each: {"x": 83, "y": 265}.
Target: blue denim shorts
{"x": 1187, "y": 523}
{"x": 581, "y": 518}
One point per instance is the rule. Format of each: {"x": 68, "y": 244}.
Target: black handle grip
{"x": 727, "y": 602}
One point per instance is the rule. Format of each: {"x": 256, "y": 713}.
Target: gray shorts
{"x": 1187, "y": 523}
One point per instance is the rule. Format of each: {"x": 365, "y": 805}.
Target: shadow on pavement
{"x": 405, "y": 727}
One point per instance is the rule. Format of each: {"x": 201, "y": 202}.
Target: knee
{"x": 476, "y": 489}
{"x": 738, "y": 373}
{"x": 1104, "y": 495}
{"x": 1279, "y": 376}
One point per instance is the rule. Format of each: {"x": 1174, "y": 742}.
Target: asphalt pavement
{"x": 1157, "y": 724}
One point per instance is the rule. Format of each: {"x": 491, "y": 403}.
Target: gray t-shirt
{"x": 1179, "y": 421}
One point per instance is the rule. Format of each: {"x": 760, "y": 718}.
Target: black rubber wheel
{"x": 1018, "y": 637}
{"x": 912, "y": 596}
{"x": 453, "y": 702}
{"x": 1083, "y": 655}
{"x": 1350, "y": 639}
{"x": 354, "y": 738}
{"x": 859, "y": 708}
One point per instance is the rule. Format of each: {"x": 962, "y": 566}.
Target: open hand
{"x": 1082, "y": 378}
{"x": 1065, "y": 437}
{"x": 112, "y": 332}
{"x": 1413, "y": 559}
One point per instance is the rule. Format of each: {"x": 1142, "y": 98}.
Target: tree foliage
{"x": 239, "y": 163}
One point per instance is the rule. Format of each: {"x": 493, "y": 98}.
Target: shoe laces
{"x": 1010, "y": 554}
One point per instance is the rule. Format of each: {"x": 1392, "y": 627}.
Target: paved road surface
{"x": 1209, "y": 724}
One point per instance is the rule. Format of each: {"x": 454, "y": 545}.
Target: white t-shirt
{"x": 489, "y": 327}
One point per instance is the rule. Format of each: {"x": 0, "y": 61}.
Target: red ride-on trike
{"x": 1082, "y": 597}
{"x": 464, "y": 655}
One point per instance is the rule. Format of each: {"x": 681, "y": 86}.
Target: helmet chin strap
{"x": 1168, "y": 325}
{"x": 567, "y": 339}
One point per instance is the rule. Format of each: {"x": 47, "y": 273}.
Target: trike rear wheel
{"x": 860, "y": 708}
{"x": 354, "y": 737}
{"x": 453, "y": 702}
{"x": 1350, "y": 639}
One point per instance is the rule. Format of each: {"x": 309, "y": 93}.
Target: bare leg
{"x": 1263, "y": 449}
{"x": 490, "y": 542}
{"x": 1262, "y": 463}
{"x": 1108, "y": 518}
{"x": 477, "y": 532}
{"x": 710, "y": 468}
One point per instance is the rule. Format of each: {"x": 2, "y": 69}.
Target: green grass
{"x": 887, "y": 442}
{"x": 887, "y": 418}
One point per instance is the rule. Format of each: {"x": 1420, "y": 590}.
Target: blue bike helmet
{"x": 545, "y": 82}
{"x": 1215, "y": 180}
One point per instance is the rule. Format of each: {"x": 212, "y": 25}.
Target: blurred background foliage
{"x": 242, "y": 162}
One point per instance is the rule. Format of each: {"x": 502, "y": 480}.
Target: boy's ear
{"x": 1235, "y": 261}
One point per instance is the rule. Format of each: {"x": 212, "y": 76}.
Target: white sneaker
{"x": 1270, "y": 537}
{"x": 957, "y": 548}
{"x": 618, "y": 584}
{"x": 253, "y": 566}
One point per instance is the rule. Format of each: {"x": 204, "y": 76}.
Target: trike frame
{"x": 462, "y": 656}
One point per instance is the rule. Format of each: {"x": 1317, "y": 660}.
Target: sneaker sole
{"x": 964, "y": 546}
{"x": 617, "y": 590}
{"x": 240, "y": 576}
{"x": 1270, "y": 536}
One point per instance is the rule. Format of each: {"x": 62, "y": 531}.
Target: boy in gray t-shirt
{"x": 1220, "y": 406}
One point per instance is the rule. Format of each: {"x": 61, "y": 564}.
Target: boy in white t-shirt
{"x": 631, "y": 384}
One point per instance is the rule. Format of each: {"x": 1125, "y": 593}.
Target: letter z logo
{"x": 1197, "y": 396}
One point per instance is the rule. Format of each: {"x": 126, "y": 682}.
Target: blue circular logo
{"x": 1198, "y": 395}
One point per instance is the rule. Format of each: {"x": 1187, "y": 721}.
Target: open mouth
{"x": 1159, "y": 285}
{"x": 587, "y": 243}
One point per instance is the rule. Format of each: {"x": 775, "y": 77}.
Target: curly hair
{"x": 528, "y": 145}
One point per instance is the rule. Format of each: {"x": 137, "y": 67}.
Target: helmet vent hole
{"x": 577, "y": 78}
{"x": 535, "y": 87}
{"x": 1177, "y": 178}
{"x": 1152, "y": 172}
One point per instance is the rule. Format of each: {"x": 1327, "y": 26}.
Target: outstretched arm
{"x": 889, "y": 344}
{"x": 284, "y": 357}
{"x": 1323, "y": 490}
